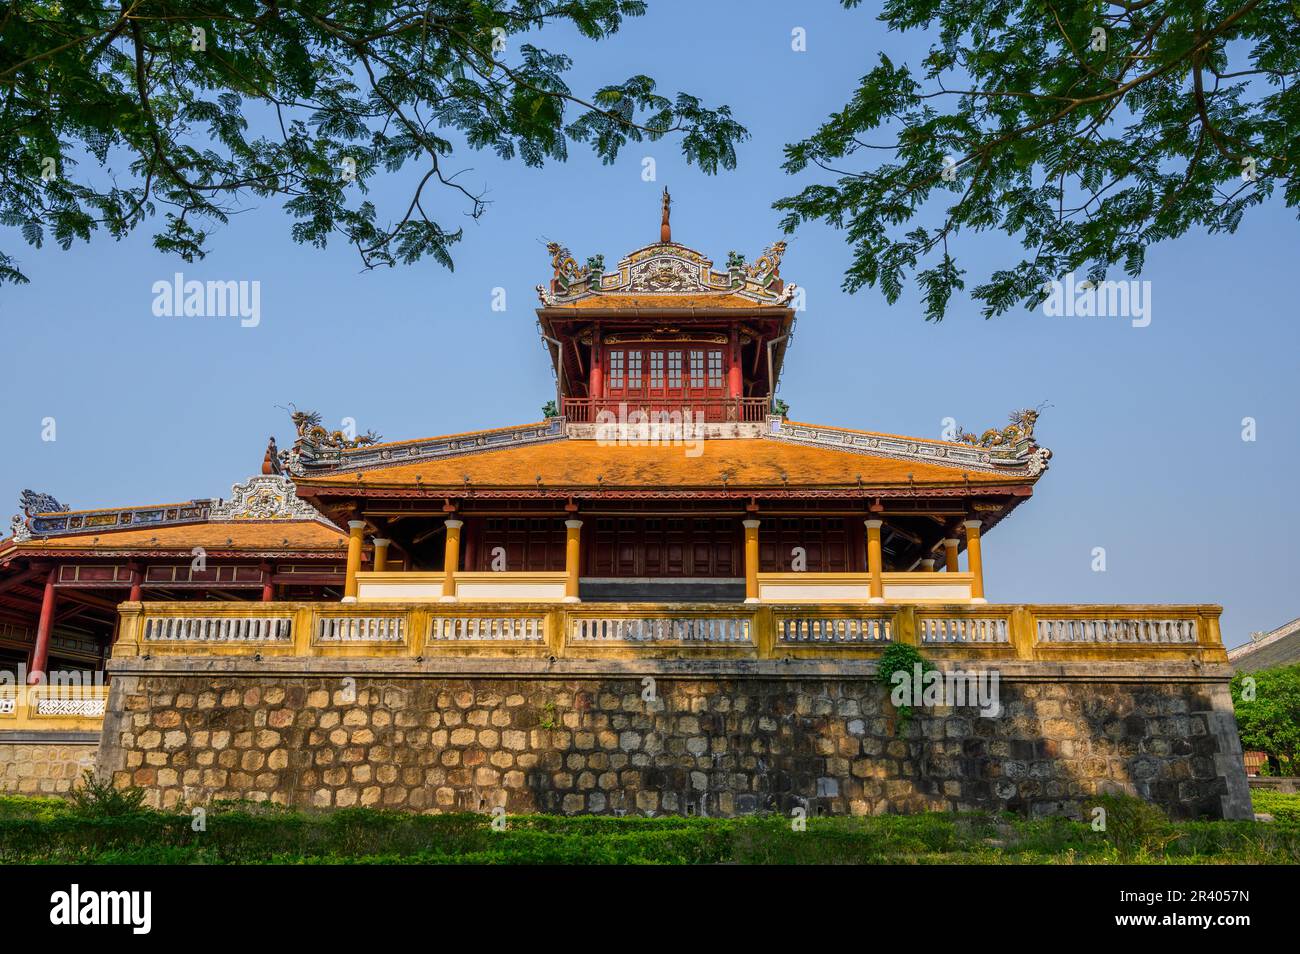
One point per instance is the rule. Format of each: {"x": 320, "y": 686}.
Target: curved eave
{"x": 39, "y": 551}
{"x": 845, "y": 491}
{"x": 757, "y": 310}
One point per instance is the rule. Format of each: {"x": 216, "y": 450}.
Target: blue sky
{"x": 1145, "y": 423}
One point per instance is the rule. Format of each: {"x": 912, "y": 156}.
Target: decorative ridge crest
{"x": 1022, "y": 458}
{"x": 264, "y": 497}
{"x": 32, "y": 504}
{"x": 434, "y": 448}
{"x": 668, "y": 269}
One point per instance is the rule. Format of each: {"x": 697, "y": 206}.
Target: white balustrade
{"x": 963, "y": 629}
{"x": 1155, "y": 631}
{"x": 833, "y": 629}
{"x": 219, "y": 629}
{"x": 683, "y": 629}
{"x": 488, "y": 628}
{"x": 361, "y": 629}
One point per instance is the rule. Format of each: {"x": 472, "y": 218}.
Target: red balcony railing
{"x": 689, "y": 410}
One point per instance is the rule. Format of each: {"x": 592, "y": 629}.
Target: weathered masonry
{"x": 666, "y": 596}
{"x": 669, "y": 708}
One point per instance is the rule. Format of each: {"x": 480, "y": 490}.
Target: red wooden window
{"x": 616, "y": 370}
{"x": 665, "y": 547}
{"x": 825, "y": 541}
{"x": 715, "y": 369}
{"x": 666, "y": 373}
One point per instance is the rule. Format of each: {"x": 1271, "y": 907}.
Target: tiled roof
{"x": 739, "y": 463}
{"x": 236, "y": 534}
{"x": 663, "y": 300}
{"x": 1281, "y": 647}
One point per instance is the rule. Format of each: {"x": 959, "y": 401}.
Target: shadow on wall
{"x": 724, "y": 746}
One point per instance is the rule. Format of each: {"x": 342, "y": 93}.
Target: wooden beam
{"x": 19, "y": 578}
{"x": 79, "y": 597}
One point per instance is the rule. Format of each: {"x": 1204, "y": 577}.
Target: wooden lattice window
{"x": 715, "y": 369}
{"x": 697, "y": 369}
{"x": 616, "y": 369}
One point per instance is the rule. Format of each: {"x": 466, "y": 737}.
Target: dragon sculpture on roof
{"x": 310, "y": 431}
{"x": 1021, "y": 429}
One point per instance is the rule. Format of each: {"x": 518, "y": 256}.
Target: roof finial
{"x": 665, "y": 230}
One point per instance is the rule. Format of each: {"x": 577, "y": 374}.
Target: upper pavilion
{"x": 666, "y": 468}
{"x": 665, "y": 331}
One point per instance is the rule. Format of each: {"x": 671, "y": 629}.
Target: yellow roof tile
{"x": 754, "y": 462}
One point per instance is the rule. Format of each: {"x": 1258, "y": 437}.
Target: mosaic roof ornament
{"x": 1020, "y": 431}
{"x": 310, "y": 431}
{"x": 264, "y": 497}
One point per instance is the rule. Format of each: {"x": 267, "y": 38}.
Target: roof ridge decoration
{"x": 1021, "y": 430}
{"x": 31, "y": 503}
{"x": 667, "y": 268}
{"x": 1021, "y": 457}
{"x": 303, "y": 462}
{"x": 264, "y": 497}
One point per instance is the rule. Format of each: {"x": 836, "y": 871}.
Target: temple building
{"x": 667, "y": 595}
{"x": 668, "y": 473}
{"x": 64, "y": 572}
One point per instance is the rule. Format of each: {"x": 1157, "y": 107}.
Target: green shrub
{"x": 901, "y": 657}
{"x": 101, "y": 798}
{"x": 1134, "y": 826}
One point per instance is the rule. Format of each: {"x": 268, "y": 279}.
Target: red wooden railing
{"x": 585, "y": 410}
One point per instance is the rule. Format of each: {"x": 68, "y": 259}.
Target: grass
{"x": 44, "y": 831}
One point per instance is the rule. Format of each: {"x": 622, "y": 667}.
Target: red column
{"x": 137, "y": 583}
{"x": 596, "y": 384}
{"x": 735, "y": 386}
{"x": 268, "y": 588}
{"x": 41, "y": 653}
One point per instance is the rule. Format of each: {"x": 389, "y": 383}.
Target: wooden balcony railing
{"x": 656, "y": 411}
{"x": 648, "y": 630}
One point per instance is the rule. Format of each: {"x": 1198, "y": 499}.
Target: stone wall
{"x": 44, "y": 763}
{"x": 719, "y": 744}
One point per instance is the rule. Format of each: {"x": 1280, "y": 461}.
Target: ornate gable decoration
{"x": 264, "y": 497}
{"x": 1018, "y": 457}
{"x": 667, "y": 269}
{"x": 32, "y": 504}
{"x": 303, "y": 463}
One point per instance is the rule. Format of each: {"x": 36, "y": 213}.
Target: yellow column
{"x": 874, "y": 562}
{"x": 751, "y": 561}
{"x": 381, "y": 554}
{"x": 950, "y": 554}
{"x": 572, "y": 558}
{"x": 974, "y": 562}
{"x": 451, "y": 559}
{"x": 927, "y": 565}
{"x": 355, "y": 529}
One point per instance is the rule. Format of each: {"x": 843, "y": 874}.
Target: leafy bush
{"x": 1267, "y": 705}
{"x": 102, "y": 799}
{"x": 1134, "y": 826}
{"x": 904, "y": 658}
